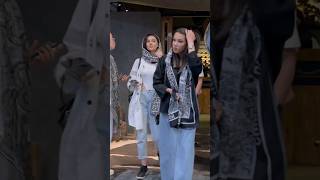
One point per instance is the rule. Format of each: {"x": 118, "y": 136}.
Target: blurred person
{"x": 81, "y": 71}
{"x": 248, "y": 40}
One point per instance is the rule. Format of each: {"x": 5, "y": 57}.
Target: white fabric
{"x": 294, "y": 40}
{"x": 142, "y": 74}
{"x": 82, "y": 148}
{"x": 134, "y": 73}
{"x": 201, "y": 75}
{"x": 85, "y": 40}
{"x": 146, "y": 72}
{"x": 135, "y": 111}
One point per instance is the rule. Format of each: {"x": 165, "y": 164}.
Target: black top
{"x": 161, "y": 82}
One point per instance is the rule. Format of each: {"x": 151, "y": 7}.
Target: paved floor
{"x": 126, "y": 166}
{"x": 124, "y": 161}
{"x": 152, "y": 175}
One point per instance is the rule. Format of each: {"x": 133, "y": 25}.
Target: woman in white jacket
{"x": 144, "y": 97}
{"x": 83, "y": 144}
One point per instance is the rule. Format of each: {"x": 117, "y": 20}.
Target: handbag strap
{"x": 138, "y": 70}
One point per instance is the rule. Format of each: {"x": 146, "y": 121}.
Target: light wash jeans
{"x": 176, "y": 151}
{"x": 146, "y": 101}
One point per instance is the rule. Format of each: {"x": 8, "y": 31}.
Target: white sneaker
{"x": 111, "y": 172}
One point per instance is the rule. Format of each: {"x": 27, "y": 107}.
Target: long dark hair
{"x": 179, "y": 60}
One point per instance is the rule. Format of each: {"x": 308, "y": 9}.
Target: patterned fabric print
{"x": 179, "y": 109}
{"x": 155, "y": 105}
{"x": 148, "y": 57}
{"x": 14, "y": 85}
{"x": 134, "y": 77}
{"x": 115, "y": 104}
{"x": 239, "y": 86}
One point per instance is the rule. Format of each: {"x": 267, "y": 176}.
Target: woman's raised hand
{"x": 190, "y": 36}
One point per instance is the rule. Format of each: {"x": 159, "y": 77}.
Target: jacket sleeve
{"x": 194, "y": 64}
{"x": 133, "y": 76}
{"x": 159, "y": 79}
{"x": 71, "y": 73}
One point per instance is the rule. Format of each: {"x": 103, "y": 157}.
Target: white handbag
{"x": 135, "y": 112}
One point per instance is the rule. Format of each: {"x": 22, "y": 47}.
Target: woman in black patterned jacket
{"x": 174, "y": 80}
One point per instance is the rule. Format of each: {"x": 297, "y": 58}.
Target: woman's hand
{"x": 44, "y": 52}
{"x": 289, "y": 96}
{"x": 169, "y": 90}
{"x": 175, "y": 95}
{"x": 123, "y": 77}
{"x": 190, "y": 36}
{"x": 198, "y": 91}
{"x": 159, "y": 53}
{"x": 141, "y": 86}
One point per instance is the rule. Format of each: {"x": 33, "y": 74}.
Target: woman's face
{"x": 152, "y": 44}
{"x": 179, "y": 43}
{"x": 112, "y": 42}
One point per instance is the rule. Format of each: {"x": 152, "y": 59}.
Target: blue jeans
{"x": 176, "y": 151}
{"x": 146, "y": 101}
